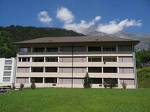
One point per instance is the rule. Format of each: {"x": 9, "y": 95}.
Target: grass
{"x": 76, "y": 100}
{"x": 144, "y": 77}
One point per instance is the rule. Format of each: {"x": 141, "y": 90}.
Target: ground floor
{"x": 74, "y": 82}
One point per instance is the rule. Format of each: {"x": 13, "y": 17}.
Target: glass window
{"x": 110, "y": 69}
{"x": 7, "y": 73}
{"x": 36, "y": 69}
{"x": 94, "y": 49}
{"x": 109, "y": 59}
{"x": 50, "y": 69}
{"x": 23, "y": 69}
{"x": 8, "y": 61}
{"x": 50, "y": 80}
{"x": 36, "y": 80}
{"x": 24, "y": 50}
{"x": 51, "y": 59}
{"x": 94, "y": 59}
{"x": 109, "y": 48}
{"x": 6, "y": 79}
{"x": 96, "y": 80}
{"x": 52, "y": 49}
{"x": 7, "y": 67}
{"x": 94, "y": 69}
{"x": 38, "y": 49}
{"x": 37, "y": 59}
{"x": 124, "y": 48}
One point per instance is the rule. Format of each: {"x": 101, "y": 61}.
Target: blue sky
{"x": 112, "y": 15}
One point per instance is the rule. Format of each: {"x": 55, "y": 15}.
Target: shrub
{"x": 33, "y": 86}
{"x": 124, "y": 85}
{"x": 13, "y": 86}
{"x": 21, "y": 86}
{"x": 87, "y": 83}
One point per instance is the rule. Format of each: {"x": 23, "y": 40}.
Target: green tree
{"x": 87, "y": 82}
{"x": 7, "y": 49}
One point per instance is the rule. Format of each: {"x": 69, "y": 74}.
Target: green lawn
{"x": 76, "y": 100}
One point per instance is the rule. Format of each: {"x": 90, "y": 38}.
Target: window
{"x": 50, "y": 80}
{"x": 126, "y": 70}
{"x": 50, "y": 69}
{"x": 23, "y": 69}
{"x": 52, "y": 49}
{"x": 24, "y": 50}
{"x": 7, "y": 73}
{"x": 109, "y": 48}
{"x": 124, "y": 48}
{"x": 109, "y": 59}
{"x": 51, "y": 59}
{"x": 96, "y": 80}
{"x": 94, "y": 49}
{"x": 127, "y": 81}
{"x": 69, "y": 59}
{"x": 38, "y": 59}
{"x": 94, "y": 69}
{"x": 24, "y": 59}
{"x": 125, "y": 59}
{"x": 66, "y": 49}
{"x": 38, "y": 49}
{"x": 110, "y": 69}
{"x": 74, "y": 49}
{"x": 36, "y": 69}
{"x": 6, "y": 79}
{"x": 94, "y": 59}
{"x": 7, "y": 67}
{"x": 36, "y": 80}
{"x": 70, "y": 80}
{"x": 79, "y": 49}
{"x": 113, "y": 81}
{"x": 75, "y": 70}
{"x": 22, "y": 80}
{"x": 8, "y": 61}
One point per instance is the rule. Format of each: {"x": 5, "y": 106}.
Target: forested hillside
{"x": 19, "y": 33}
{"x": 11, "y": 34}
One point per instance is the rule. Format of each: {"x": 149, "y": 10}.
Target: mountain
{"x": 143, "y": 38}
{"x": 19, "y": 33}
{"x": 11, "y": 34}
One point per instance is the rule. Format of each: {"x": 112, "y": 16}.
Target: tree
{"x": 87, "y": 82}
{"x": 7, "y": 49}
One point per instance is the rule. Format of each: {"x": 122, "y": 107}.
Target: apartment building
{"x": 64, "y": 61}
{"x": 7, "y": 71}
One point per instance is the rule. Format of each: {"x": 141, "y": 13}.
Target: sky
{"x": 83, "y": 16}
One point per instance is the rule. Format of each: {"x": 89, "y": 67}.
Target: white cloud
{"x": 44, "y": 17}
{"x": 114, "y": 26}
{"x": 84, "y": 26}
{"x": 65, "y": 15}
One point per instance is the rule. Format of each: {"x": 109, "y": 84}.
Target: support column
{"x": 43, "y": 80}
{"x": 102, "y": 82}
{"x": 119, "y": 83}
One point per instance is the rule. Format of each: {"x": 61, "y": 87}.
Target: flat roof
{"x": 76, "y": 39}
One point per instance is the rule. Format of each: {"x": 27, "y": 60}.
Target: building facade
{"x": 64, "y": 61}
{"x": 7, "y": 71}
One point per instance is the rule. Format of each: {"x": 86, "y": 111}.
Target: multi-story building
{"x": 64, "y": 61}
{"x": 7, "y": 71}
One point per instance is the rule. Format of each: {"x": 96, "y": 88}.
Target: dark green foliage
{"x": 143, "y": 76}
{"x": 21, "y": 86}
{"x": 143, "y": 58}
{"x": 7, "y": 49}
{"x": 19, "y": 33}
{"x": 124, "y": 85}
{"x": 87, "y": 82}
{"x": 11, "y": 34}
{"x": 33, "y": 86}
